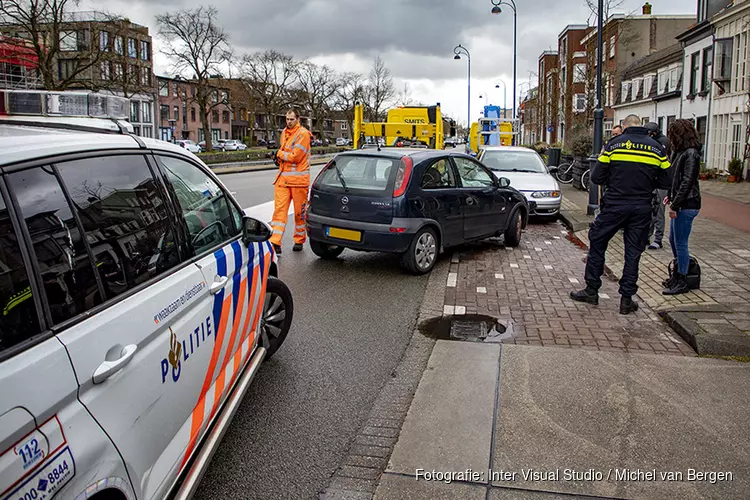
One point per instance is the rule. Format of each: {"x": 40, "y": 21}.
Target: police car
{"x": 138, "y": 302}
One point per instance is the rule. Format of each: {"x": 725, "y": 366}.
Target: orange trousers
{"x": 282, "y": 196}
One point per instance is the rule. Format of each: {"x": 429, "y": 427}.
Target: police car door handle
{"x": 218, "y": 284}
{"x": 109, "y": 368}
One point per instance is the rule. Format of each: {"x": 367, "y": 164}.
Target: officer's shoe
{"x": 277, "y": 249}
{"x": 669, "y": 282}
{"x": 588, "y": 295}
{"x": 297, "y": 247}
{"x": 679, "y": 285}
{"x": 627, "y": 305}
{"x": 655, "y": 246}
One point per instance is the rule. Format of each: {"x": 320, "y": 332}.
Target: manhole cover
{"x": 470, "y": 328}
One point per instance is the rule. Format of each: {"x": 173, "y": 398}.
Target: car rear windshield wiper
{"x": 340, "y": 176}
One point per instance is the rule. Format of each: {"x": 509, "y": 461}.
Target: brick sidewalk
{"x": 528, "y": 288}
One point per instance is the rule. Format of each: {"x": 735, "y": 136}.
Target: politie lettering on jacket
{"x": 632, "y": 145}
{"x": 199, "y": 337}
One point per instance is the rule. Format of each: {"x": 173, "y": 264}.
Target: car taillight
{"x": 402, "y": 176}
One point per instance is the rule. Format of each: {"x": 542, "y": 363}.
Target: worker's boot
{"x": 297, "y": 247}
{"x": 277, "y": 249}
{"x": 627, "y": 305}
{"x": 588, "y": 295}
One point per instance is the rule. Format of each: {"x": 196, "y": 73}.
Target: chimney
{"x": 647, "y": 9}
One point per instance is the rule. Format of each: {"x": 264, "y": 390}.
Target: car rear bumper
{"x": 374, "y": 237}
{"x": 544, "y": 207}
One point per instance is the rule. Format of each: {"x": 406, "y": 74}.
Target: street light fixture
{"x": 458, "y": 50}
{"x": 505, "y": 95}
{"x": 497, "y": 10}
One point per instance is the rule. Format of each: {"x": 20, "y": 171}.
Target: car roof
{"x": 417, "y": 154}
{"x": 21, "y": 143}
{"x": 516, "y": 149}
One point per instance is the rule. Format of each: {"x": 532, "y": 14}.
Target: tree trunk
{"x": 206, "y": 129}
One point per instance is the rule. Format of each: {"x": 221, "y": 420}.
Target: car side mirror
{"x": 254, "y": 231}
{"x": 504, "y": 182}
{"x": 552, "y": 169}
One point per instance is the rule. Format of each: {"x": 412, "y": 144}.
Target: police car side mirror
{"x": 504, "y": 182}
{"x": 254, "y": 231}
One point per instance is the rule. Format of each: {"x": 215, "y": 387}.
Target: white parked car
{"x": 189, "y": 145}
{"x": 234, "y": 145}
{"x": 138, "y": 303}
{"x": 528, "y": 174}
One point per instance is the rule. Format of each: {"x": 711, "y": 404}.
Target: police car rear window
{"x": 360, "y": 173}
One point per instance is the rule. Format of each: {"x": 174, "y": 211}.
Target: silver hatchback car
{"x": 528, "y": 174}
{"x": 138, "y": 303}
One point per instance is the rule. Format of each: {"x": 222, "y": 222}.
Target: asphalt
{"x": 352, "y": 321}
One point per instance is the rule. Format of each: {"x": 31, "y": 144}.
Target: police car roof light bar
{"x": 63, "y": 104}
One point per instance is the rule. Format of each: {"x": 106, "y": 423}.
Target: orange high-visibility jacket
{"x": 294, "y": 158}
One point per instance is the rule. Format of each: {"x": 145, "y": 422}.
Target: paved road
{"x": 352, "y": 321}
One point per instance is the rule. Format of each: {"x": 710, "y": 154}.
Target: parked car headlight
{"x": 546, "y": 194}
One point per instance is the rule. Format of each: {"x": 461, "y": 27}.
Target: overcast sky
{"x": 415, "y": 38}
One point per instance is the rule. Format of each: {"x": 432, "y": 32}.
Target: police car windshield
{"x": 513, "y": 161}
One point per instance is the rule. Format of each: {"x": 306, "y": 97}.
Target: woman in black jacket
{"x": 684, "y": 198}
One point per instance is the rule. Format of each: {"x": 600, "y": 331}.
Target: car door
{"x": 140, "y": 358}
{"x": 483, "y": 205}
{"x": 235, "y": 275}
{"x": 439, "y": 199}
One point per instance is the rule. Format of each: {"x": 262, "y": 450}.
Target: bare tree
{"x": 381, "y": 89}
{"x": 350, "y": 91}
{"x": 46, "y": 28}
{"x": 317, "y": 85}
{"x": 609, "y": 6}
{"x": 269, "y": 76}
{"x": 198, "y": 46}
{"x": 405, "y": 97}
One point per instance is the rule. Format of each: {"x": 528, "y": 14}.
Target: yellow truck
{"x": 405, "y": 124}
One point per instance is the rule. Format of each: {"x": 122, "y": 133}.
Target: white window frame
{"x": 146, "y": 115}
{"x": 579, "y": 73}
{"x": 662, "y": 79}
{"x": 344, "y": 126}
{"x": 105, "y": 71}
{"x": 576, "y": 107}
{"x": 635, "y": 88}
{"x": 612, "y": 47}
{"x": 69, "y": 41}
{"x": 674, "y": 78}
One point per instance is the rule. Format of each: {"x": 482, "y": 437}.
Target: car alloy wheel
{"x": 519, "y": 225}
{"x": 425, "y": 250}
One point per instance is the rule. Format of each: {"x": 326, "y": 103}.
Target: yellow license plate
{"x": 343, "y": 234}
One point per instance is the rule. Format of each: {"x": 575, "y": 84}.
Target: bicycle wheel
{"x": 585, "y": 177}
{"x": 564, "y": 173}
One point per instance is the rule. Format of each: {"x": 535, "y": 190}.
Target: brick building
{"x": 548, "y": 100}
{"x": 179, "y": 114}
{"x": 574, "y": 82}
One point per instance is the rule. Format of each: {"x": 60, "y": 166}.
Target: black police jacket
{"x": 685, "y": 191}
{"x": 631, "y": 167}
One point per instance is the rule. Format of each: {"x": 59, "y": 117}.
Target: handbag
{"x": 693, "y": 278}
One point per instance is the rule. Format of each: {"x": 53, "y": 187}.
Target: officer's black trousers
{"x": 636, "y": 221}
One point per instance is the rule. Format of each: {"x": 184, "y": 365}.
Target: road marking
{"x": 264, "y": 211}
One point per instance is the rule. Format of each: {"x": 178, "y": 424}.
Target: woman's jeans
{"x": 679, "y": 232}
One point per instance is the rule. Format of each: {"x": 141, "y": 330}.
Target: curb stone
{"x": 359, "y": 474}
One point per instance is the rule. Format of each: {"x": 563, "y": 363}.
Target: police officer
{"x": 631, "y": 167}
{"x": 657, "y": 217}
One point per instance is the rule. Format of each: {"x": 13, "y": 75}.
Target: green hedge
{"x": 257, "y": 154}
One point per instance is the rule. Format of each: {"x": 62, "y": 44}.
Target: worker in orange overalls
{"x": 292, "y": 181}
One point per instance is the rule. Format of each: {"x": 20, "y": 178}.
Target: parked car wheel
{"x": 324, "y": 250}
{"x": 278, "y": 310}
{"x": 422, "y": 254}
{"x": 514, "y": 230}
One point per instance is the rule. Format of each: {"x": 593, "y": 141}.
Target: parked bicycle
{"x": 564, "y": 174}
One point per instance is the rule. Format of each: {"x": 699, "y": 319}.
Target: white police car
{"x": 137, "y": 304}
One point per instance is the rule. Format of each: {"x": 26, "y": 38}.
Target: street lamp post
{"x": 458, "y": 50}
{"x": 593, "y": 205}
{"x": 505, "y": 95}
{"x": 497, "y": 10}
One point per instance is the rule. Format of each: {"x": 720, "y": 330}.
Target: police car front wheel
{"x": 278, "y": 309}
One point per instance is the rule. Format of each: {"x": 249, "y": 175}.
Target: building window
{"x": 694, "y": 71}
{"x": 344, "y": 126}
{"x": 708, "y": 59}
{"x": 224, "y": 96}
{"x": 648, "y": 82}
{"x": 225, "y": 116}
{"x": 104, "y": 41}
{"x": 176, "y": 110}
{"x": 146, "y": 117}
{"x": 612, "y": 47}
{"x": 625, "y": 92}
{"x": 164, "y": 113}
{"x": 663, "y": 82}
{"x": 674, "y": 79}
{"x": 184, "y": 113}
{"x": 66, "y": 68}
{"x": 670, "y": 120}
{"x": 192, "y": 114}
{"x": 135, "y": 74}
{"x": 68, "y": 41}
{"x": 700, "y": 126}
{"x": 579, "y": 73}
{"x": 736, "y": 139}
{"x": 135, "y": 109}
{"x": 163, "y": 88}
{"x": 661, "y": 124}
{"x": 147, "y": 131}
{"x": 635, "y": 88}
{"x": 119, "y": 72}
{"x": 740, "y": 59}
{"x": 145, "y": 77}
{"x": 579, "y": 103}
{"x": 119, "y": 47}
{"x": 215, "y": 116}
{"x": 723, "y": 59}
{"x": 104, "y": 72}
{"x": 145, "y": 50}
{"x": 132, "y": 48}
